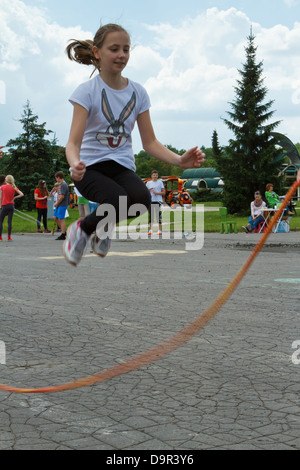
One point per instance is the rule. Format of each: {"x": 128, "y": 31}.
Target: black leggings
{"x": 42, "y": 213}
{"x": 7, "y": 210}
{"x": 105, "y": 183}
{"x": 155, "y": 209}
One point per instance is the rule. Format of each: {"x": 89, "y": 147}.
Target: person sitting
{"x": 273, "y": 199}
{"x": 257, "y": 209}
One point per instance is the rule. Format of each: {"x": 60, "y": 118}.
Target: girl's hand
{"x": 77, "y": 171}
{"x": 192, "y": 158}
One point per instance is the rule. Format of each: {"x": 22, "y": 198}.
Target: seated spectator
{"x": 273, "y": 199}
{"x": 257, "y": 208}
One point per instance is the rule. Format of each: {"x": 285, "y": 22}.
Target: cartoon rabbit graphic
{"x": 115, "y": 135}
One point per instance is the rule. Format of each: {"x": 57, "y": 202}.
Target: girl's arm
{"x": 78, "y": 168}
{"x": 252, "y": 210}
{"x": 192, "y": 158}
{"x": 20, "y": 194}
{"x": 39, "y": 198}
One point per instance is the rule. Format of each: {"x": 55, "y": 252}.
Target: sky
{"x": 185, "y": 53}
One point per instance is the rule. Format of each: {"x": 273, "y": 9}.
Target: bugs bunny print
{"x": 115, "y": 135}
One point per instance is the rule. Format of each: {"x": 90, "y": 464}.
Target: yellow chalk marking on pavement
{"x": 129, "y": 254}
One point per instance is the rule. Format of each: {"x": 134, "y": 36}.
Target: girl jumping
{"x": 99, "y": 150}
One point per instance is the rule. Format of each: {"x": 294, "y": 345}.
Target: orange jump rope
{"x": 174, "y": 341}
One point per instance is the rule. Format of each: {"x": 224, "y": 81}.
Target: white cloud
{"x": 198, "y": 64}
{"x": 2, "y": 92}
{"x": 291, "y": 3}
{"x": 201, "y": 59}
{"x": 34, "y": 66}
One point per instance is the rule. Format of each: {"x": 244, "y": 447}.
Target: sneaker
{"x": 245, "y": 229}
{"x": 0, "y": 238}
{"x": 47, "y": 231}
{"x": 40, "y": 231}
{"x": 100, "y": 247}
{"x": 61, "y": 237}
{"x": 75, "y": 243}
{"x": 9, "y": 239}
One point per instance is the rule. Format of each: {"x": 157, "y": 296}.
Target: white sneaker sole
{"x": 70, "y": 261}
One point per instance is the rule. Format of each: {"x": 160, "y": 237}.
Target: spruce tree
{"x": 251, "y": 160}
{"x": 215, "y": 144}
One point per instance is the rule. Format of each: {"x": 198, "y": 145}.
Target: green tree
{"x": 217, "y": 150}
{"x": 145, "y": 163}
{"x": 31, "y": 157}
{"x": 251, "y": 159}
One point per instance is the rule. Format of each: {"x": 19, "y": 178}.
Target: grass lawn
{"x": 25, "y": 221}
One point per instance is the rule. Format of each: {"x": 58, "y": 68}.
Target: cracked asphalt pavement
{"x": 233, "y": 385}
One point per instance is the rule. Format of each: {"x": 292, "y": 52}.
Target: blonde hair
{"x": 10, "y": 180}
{"x": 82, "y": 51}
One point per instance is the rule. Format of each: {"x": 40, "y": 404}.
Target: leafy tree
{"x": 145, "y": 163}
{"x": 251, "y": 160}
{"x": 32, "y": 157}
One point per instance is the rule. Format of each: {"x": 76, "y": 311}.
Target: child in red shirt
{"x": 41, "y": 195}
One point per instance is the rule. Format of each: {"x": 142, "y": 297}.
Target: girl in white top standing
{"x": 99, "y": 149}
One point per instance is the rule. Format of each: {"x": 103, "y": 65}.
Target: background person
{"x": 83, "y": 205}
{"x": 273, "y": 199}
{"x": 41, "y": 195}
{"x": 157, "y": 191}
{"x": 61, "y": 204}
{"x": 2, "y": 181}
{"x": 7, "y": 202}
{"x": 54, "y": 192}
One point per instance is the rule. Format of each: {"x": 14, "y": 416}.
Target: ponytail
{"x": 82, "y": 53}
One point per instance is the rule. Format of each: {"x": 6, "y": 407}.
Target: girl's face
{"x": 258, "y": 197}
{"x": 115, "y": 52}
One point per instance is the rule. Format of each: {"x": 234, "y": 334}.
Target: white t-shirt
{"x": 257, "y": 210}
{"x": 155, "y": 186}
{"x": 111, "y": 118}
